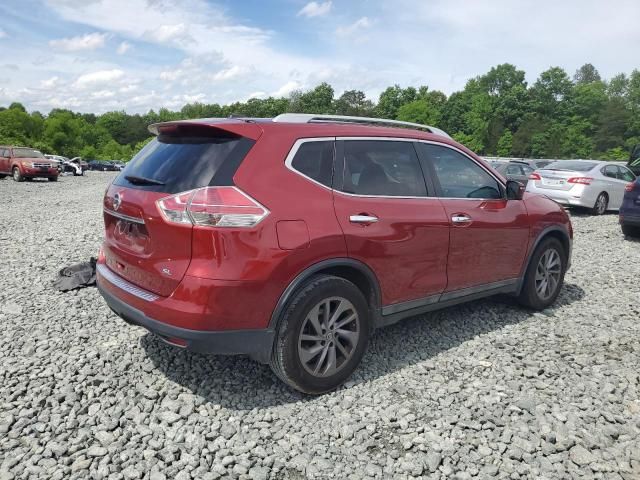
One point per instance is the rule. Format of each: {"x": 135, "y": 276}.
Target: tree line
{"x": 497, "y": 113}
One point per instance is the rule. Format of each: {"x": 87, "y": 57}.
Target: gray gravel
{"x": 483, "y": 390}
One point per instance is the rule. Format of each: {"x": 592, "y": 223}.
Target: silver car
{"x": 591, "y": 184}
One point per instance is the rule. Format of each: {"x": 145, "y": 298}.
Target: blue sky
{"x": 100, "y": 55}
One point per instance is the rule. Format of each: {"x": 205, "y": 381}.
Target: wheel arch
{"x": 554, "y": 231}
{"x": 350, "y": 269}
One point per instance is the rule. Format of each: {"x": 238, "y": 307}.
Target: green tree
{"x": 587, "y": 73}
{"x": 505, "y": 144}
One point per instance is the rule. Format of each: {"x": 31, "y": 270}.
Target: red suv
{"x": 26, "y": 163}
{"x": 291, "y": 239}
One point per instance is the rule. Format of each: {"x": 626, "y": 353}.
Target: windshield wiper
{"x": 143, "y": 180}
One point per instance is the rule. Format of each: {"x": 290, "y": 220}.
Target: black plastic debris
{"x": 76, "y": 276}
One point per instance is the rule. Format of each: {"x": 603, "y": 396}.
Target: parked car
{"x": 58, "y": 159}
{"x": 291, "y": 239}
{"x": 103, "y": 166}
{"x": 26, "y": 163}
{"x": 84, "y": 166}
{"x": 596, "y": 185}
{"x": 630, "y": 210}
{"x": 537, "y": 164}
{"x": 515, "y": 170}
{"x": 118, "y": 164}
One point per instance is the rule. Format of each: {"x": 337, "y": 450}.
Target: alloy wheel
{"x": 601, "y": 204}
{"x": 329, "y": 336}
{"x": 548, "y": 273}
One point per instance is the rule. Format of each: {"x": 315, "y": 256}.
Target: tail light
{"x": 213, "y": 207}
{"x": 630, "y": 187}
{"x": 535, "y": 176}
{"x": 580, "y": 180}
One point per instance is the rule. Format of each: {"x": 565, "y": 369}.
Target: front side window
{"x": 382, "y": 167}
{"x": 458, "y": 175}
{"x": 315, "y": 160}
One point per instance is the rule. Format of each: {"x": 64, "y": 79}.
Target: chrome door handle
{"x": 363, "y": 219}
{"x": 460, "y": 218}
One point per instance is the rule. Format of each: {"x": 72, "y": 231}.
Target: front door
{"x": 389, "y": 220}
{"x": 489, "y": 234}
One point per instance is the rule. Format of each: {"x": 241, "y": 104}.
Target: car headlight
{"x": 27, "y": 164}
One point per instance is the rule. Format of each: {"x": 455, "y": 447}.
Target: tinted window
{"x": 514, "y": 170}
{"x": 610, "y": 171}
{"x": 458, "y": 175}
{"x": 382, "y": 167}
{"x": 187, "y": 161}
{"x": 27, "y": 153}
{"x": 315, "y": 160}
{"x": 527, "y": 169}
{"x": 573, "y": 165}
{"x": 626, "y": 175}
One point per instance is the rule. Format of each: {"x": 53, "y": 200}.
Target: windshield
{"x": 27, "y": 153}
{"x": 574, "y": 166}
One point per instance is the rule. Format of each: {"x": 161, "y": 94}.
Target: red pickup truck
{"x": 26, "y": 163}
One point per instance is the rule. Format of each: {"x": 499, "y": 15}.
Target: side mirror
{"x": 515, "y": 190}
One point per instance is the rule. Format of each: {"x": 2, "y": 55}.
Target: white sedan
{"x": 596, "y": 185}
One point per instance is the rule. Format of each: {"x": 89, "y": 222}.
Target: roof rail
{"x": 313, "y": 118}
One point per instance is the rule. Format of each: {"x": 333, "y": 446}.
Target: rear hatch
{"x": 562, "y": 175}
{"x": 140, "y": 244}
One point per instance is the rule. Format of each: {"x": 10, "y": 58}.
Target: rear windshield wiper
{"x": 143, "y": 180}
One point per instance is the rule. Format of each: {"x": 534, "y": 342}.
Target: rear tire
{"x": 17, "y": 176}
{"x": 602, "y": 202}
{"x": 545, "y": 275}
{"x": 630, "y": 231}
{"x": 322, "y": 335}
{"x": 53, "y": 179}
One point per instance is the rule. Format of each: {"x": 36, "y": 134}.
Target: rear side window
{"x": 458, "y": 175}
{"x": 190, "y": 159}
{"x": 382, "y": 167}
{"x": 315, "y": 160}
{"x": 626, "y": 175}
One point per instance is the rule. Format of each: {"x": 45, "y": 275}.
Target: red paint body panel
{"x": 492, "y": 247}
{"x": 406, "y": 248}
{"x": 232, "y": 278}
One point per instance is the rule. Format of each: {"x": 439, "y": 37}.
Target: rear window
{"x": 570, "y": 165}
{"x": 189, "y": 159}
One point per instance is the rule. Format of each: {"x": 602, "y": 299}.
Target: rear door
{"x": 615, "y": 185}
{"x": 390, "y": 221}
{"x": 489, "y": 234}
{"x": 140, "y": 245}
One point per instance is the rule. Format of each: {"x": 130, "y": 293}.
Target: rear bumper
{"x": 578, "y": 196}
{"x": 255, "y": 343}
{"x": 631, "y": 220}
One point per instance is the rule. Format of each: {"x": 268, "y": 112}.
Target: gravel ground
{"x": 483, "y": 390}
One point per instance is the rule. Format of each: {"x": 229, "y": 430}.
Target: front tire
{"x": 545, "y": 275}
{"x": 322, "y": 335}
{"x": 16, "y": 175}
{"x": 602, "y": 202}
{"x": 53, "y": 179}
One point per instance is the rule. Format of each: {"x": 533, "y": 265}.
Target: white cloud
{"x": 123, "y": 48}
{"x": 315, "y": 9}
{"x": 98, "y": 78}
{"x": 286, "y": 89}
{"x": 3, "y": 34}
{"x": 90, "y": 41}
{"x": 50, "y": 83}
{"x": 360, "y": 24}
{"x": 169, "y": 33}
{"x": 229, "y": 73}
{"x": 172, "y": 75}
